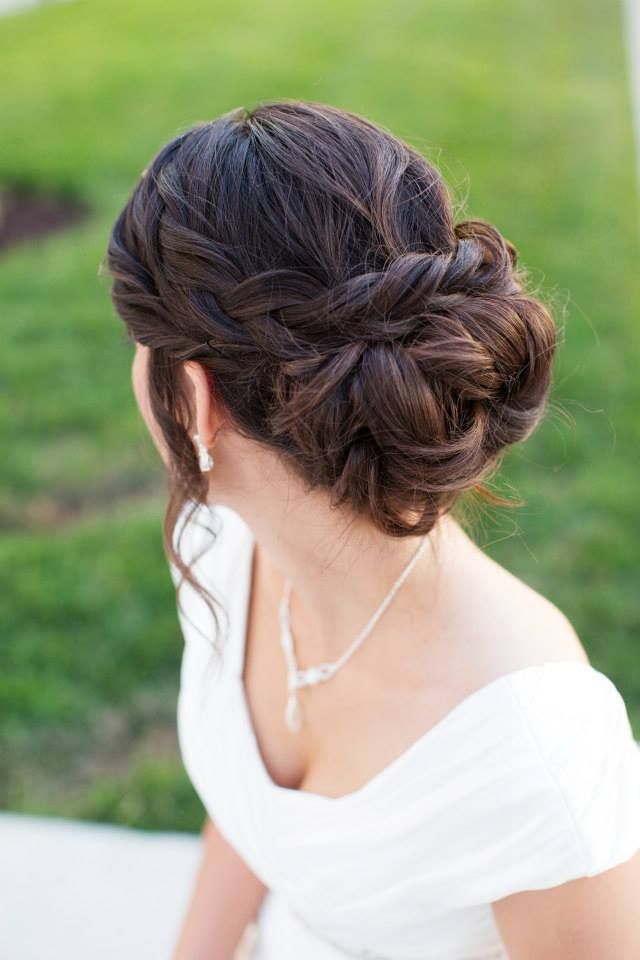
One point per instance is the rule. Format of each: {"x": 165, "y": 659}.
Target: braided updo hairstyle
{"x": 308, "y": 259}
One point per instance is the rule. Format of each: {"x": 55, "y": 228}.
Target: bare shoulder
{"x": 513, "y": 624}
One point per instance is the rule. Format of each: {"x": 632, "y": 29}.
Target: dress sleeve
{"x": 199, "y": 539}
{"x": 199, "y": 666}
{"x": 189, "y": 534}
{"x": 579, "y": 723}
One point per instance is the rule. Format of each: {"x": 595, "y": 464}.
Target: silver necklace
{"x": 298, "y": 678}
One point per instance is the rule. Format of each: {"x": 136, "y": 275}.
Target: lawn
{"x": 525, "y": 109}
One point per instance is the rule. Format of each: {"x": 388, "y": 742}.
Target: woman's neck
{"x": 341, "y": 572}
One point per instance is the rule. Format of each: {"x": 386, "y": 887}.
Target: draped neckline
{"x": 464, "y": 708}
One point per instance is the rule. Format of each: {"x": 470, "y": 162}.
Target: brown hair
{"x": 309, "y": 260}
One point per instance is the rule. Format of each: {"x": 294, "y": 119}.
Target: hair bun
{"x": 451, "y": 365}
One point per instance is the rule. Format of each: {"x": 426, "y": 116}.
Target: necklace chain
{"x": 298, "y": 678}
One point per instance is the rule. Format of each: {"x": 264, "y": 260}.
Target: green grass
{"x": 525, "y": 109}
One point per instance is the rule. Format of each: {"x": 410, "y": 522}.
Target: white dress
{"x": 530, "y": 781}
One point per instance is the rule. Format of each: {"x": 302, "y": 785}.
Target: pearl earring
{"x": 205, "y": 458}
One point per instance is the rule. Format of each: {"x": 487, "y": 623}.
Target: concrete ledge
{"x": 89, "y": 890}
{"x": 631, "y": 10}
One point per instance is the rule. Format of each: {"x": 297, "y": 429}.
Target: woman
{"x": 402, "y": 748}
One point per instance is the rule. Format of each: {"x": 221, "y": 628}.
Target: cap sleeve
{"x": 199, "y": 539}
{"x": 191, "y": 534}
{"x": 579, "y": 722}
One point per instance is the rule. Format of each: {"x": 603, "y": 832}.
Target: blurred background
{"x": 526, "y": 109}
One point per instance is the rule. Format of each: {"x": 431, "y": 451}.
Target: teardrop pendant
{"x": 293, "y": 714}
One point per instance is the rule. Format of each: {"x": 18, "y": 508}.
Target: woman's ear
{"x": 202, "y": 400}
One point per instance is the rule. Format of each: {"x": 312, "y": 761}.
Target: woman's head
{"x": 307, "y": 264}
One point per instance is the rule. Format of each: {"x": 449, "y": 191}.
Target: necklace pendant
{"x": 293, "y": 714}
{"x": 312, "y": 675}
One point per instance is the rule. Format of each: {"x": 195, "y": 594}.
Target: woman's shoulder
{"x": 503, "y": 623}
{"x": 573, "y": 718}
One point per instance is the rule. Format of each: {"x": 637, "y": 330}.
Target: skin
{"x": 452, "y": 634}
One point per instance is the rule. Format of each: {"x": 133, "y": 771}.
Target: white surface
{"x": 632, "y": 31}
{"x": 16, "y": 6}
{"x": 70, "y": 889}
{"x": 530, "y": 781}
